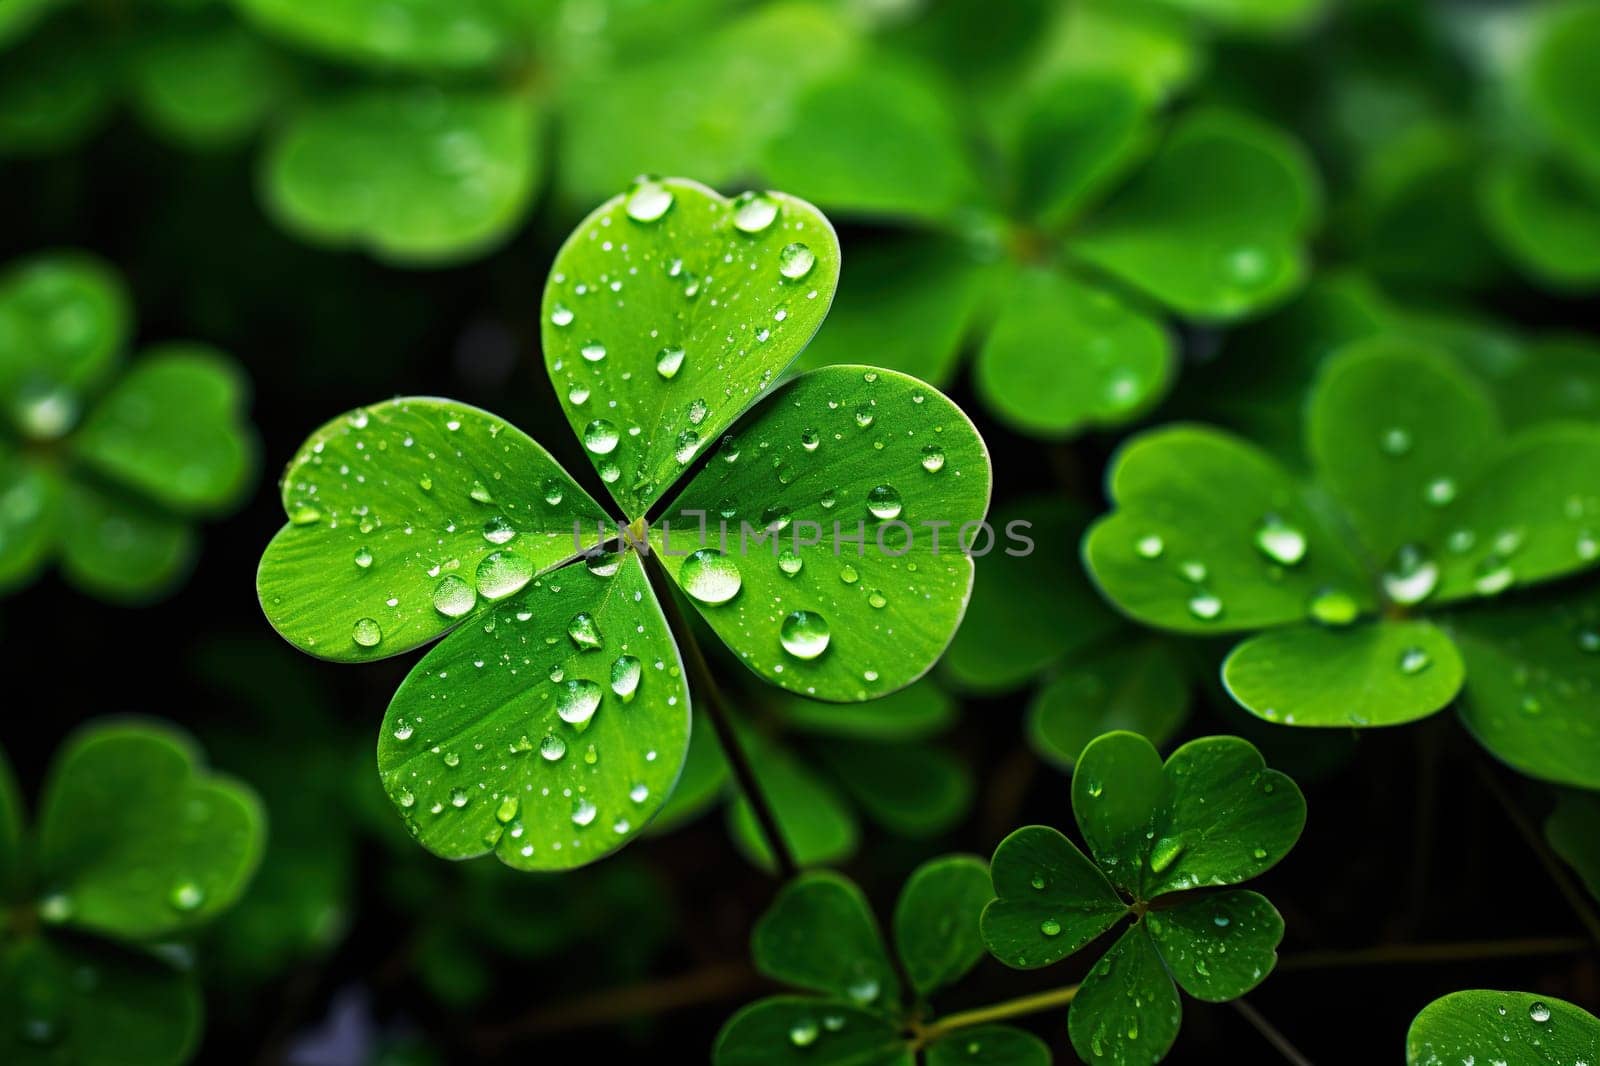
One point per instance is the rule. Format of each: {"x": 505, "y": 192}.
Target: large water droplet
{"x": 1440, "y": 491}
{"x": 553, "y": 491}
{"x": 367, "y": 632}
{"x": 363, "y": 558}
{"x": 1493, "y": 575}
{"x": 1050, "y": 927}
{"x": 710, "y": 577}
{"x": 583, "y": 811}
{"x": 507, "y": 810}
{"x": 669, "y": 361}
{"x": 552, "y": 748}
{"x": 804, "y": 634}
{"x": 602, "y": 563}
{"x": 884, "y": 502}
{"x": 186, "y": 896}
{"x": 1414, "y": 661}
{"x": 648, "y": 200}
{"x": 1412, "y": 576}
{"x": 1279, "y": 541}
{"x": 1165, "y": 852}
{"x": 600, "y": 436}
{"x": 1395, "y": 441}
{"x": 584, "y": 632}
{"x": 803, "y": 1033}
{"x": 1538, "y": 1012}
{"x": 1149, "y": 546}
{"x": 933, "y": 458}
{"x": 753, "y": 212}
{"x": 498, "y": 530}
{"x": 453, "y": 597}
{"x": 502, "y": 573}
{"x": 593, "y": 351}
{"x": 1334, "y": 607}
{"x": 1205, "y": 606}
{"x": 625, "y": 674}
{"x": 576, "y": 701}
{"x": 789, "y": 562}
{"x": 795, "y": 261}
{"x": 561, "y": 315}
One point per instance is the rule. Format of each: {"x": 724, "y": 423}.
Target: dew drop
{"x": 804, "y": 634}
{"x": 1414, "y": 661}
{"x": 552, "y": 747}
{"x": 795, "y": 261}
{"x": 1538, "y": 1012}
{"x": 1280, "y": 542}
{"x": 625, "y": 674}
{"x": 1334, "y": 607}
{"x": 600, "y": 436}
{"x": 933, "y": 458}
{"x": 453, "y": 597}
{"x": 576, "y": 701}
{"x": 1205, "y": 606}
{"x": 1149, "y": 546}
{"x": 363, "y": 558}
{"x": 498, "y": 530}
{"x": 367, "y": 632}
{"x": 1412, "y": 576}
{"x": 593, "y": 351}
{"x": 884, "y": 502}
{"x": 186, "y": 896}
{"x": 803, "y": 1033}
{"x": 583, "y": 811}
{"x": 561, "y": 315}
{"x": 669, "y": 361}
{"x": 1395, "y": 441}
{"x": 710, "y": 577}
{"x": 648, "y": 200}
{"x": 753, "y": 212}
{"x": 584, "y": 632}
{"x": 1050, "y": 927}
{"x": 502, "y": 573}
{"x": 552, "y": 491}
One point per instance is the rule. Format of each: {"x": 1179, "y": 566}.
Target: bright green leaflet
{"x": 1138, "y": 685}
{"x": 1210, "y": 535}
{"x": 63, "y": 318}
{"x": 121, "y": 550}
{"x": 1076, "y": 139}
{"x": 1155, "y": 51}
{"x": 168, "y": 430}
{"x": 1001, "y": 644}
{"x": 1573, "y": 831}
{"x": 910, "y": 714}
{"x": 877, "y": 139}
{"x": 731, "y": 90}
{"x": 1531, "y": 666}
{"x": 1218, "y": 947}
{"x": 548, "y": 729}
{"x": 1212, "y": 227}
{"x": 180, "y": 855}
{"x": 1379, "y": 673}
{"x": 1063, "y": 354}
{"x": 414, "y": 510}
{"x": 1219, "y": 817}
{"x": 936, "y": 920}
{"x": 816, "y": 822}
{"x": 1050, "y": 900}
{"x": 56, "y": 89}
{"x": 419, "y": 35}
{"x": 1560, "y": 80}
{"x": 701, "y": 783}
{"x": 876, "y": 455}
{"x": 1127, "y": 1010}
{"x": 914, "y": 790}
{"x": 95, "y": 1004}
{"x": 669, "y": 311}
{"x": 1547, "y": 220}
{"x": 1519, "y": 1027}
{"x": 30, "y": 512}
{"x": 802, "y": 1031}
{"x": 415, "y": 175}
{"x": 989, "y": 1045}
{"x": 819, "y": 934}
{"x": 203, "y": 82}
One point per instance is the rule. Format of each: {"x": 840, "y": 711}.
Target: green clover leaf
{"x": 1064, "y": 268}
{"x": 91, "y": 470}
{"x": 426, "y": 36}
{"x": 1213, "y": 815}
{"x": 57, "y": 89}
{"x": 101, "y": 876}
{"x": 551, "y": 722}
{"x": 820, "y": 935}
{"x": 204, "y": 81}
{"x": 1365, "y": 578}
{"x": 1573, "y": 832}
{"x": 1487, "y": 1026}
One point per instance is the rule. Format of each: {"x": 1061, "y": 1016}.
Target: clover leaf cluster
{"x": 1212, "y": 816}
{"x": 104, "y": 468}
{"x": 552, "y": 720}
{"x": 135, "y": 845}
{"x": 1478, "y": 1025}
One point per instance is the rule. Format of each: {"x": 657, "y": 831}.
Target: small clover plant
{"x": 135, "y": 845}
{"x": 1213, "y": 815}
{"x": 1480, "y": 1026}
{"x": 1375, "y": 582}
{"x": 819, "y": 935}
{"x": 1102, "y": 220}
{"x": 552, "y": 721}
{"x": 101, "y": 468}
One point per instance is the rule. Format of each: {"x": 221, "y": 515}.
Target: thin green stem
{"x": 1269, "y": 1032}
{"x": 1011, "y": 1008}
{"x": 703, "y": 685}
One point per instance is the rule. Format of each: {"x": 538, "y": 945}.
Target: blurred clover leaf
{"x": 1097, "y": 673}
{"x": 1369, "y": 583}
{"x": 819, "y": 935}
{"x": 1515, "y": 1027}
{"x": 102, "y": 879}
{"x": 101, "y": 467}
{"x": 552, "y": 721}
{"x": 823, "y": 767}
{"x": 1213, "y": 815}
{"x": 1103, "y": 221}
{"x": 1573, "y": 832}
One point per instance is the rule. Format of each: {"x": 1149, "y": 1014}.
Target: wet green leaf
{"x": 1547, "y": 220}
{"x": 914, "y": 790}
{"x": 121, "y": 549}
{"x": 989, "y": 1045}
{"x": 701, "y": 783}
{"x": 669, "y": 311}
{"x": 819, "y": 934}
{"x": 414, "y": 175}
{"x": 204, "y": 82}
{"x": 1138, "y": 685}
{"x": 420, "y": 35}
{"x": 1064, "y": 355}
{"x": 412, "y": 514}
{"x": 816, "y": 823}
{"x": 936, "y": 929}
{"x": 171, "y": 430}
{"x": 82, "y": 1002}
{"x": 800, "y": 1031}
{"x": 1520, "y": 1027}
{"x": 547, "y": 730}
{"x": 838, "y": 452}
{"x": 1078, "y": 136}
{"x": 1126, "y": 1012}
{"x": 1218, "y": 947}
{"x": 136, "y": 839}
{"x": 1559, "y": 77}
{"x": 1051, "y": 899}
{"x": 1210, "y": 535}
{"x": 1372, "y": 674}
{"x": 910, "y": 714}
{"x": 1212, "y": 227}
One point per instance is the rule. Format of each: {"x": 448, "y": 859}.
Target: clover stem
{"x": 1452, "y": 951}
{"x": 704, "y": 686}
{"x": 1011, "y": 1008}
{"x": 1269, "y": 1032}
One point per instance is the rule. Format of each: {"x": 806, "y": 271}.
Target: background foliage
{"x": 1339, "y": 257}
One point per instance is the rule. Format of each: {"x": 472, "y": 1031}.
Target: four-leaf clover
{"x": 552, "y": 721}
{"x": 1213, "y": 815}
{"x": 1420, "y": 501}
{"x": 105, "y": 472}
{"x": 135, "y": 844}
